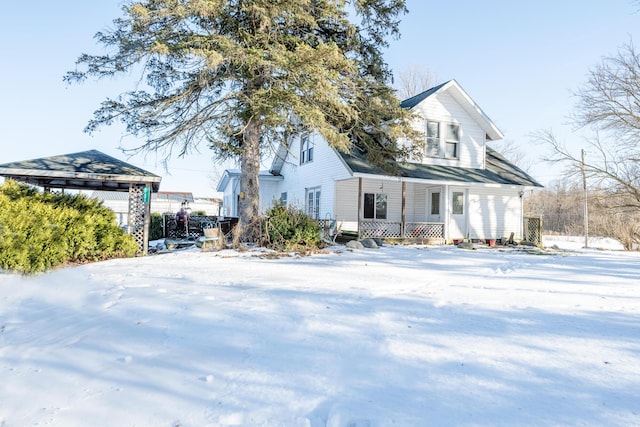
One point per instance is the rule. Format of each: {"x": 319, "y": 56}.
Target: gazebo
{"x": 93, "y": 170}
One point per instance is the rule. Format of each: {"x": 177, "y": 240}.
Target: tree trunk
{"x": 249, "y": 184}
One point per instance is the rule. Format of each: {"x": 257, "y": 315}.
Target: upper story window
{"x": 306, "y": 149}
{"x": 432, "y": 149}
{"x": 452, "y": 141}
{"x": 445, "y": 135}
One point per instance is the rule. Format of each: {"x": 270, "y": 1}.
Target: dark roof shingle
{"x": 498, "y": 171}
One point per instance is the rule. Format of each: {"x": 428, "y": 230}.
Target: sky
{"x": 520, "y": 62}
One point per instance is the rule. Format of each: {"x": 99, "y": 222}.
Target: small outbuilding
{"x": 93, "y": 170}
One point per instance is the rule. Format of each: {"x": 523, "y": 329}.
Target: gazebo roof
{"x": 86, "y": 170}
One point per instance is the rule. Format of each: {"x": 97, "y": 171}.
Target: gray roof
{"x": 498, "y": 171}
{"x": 91, "y": 170}
{"x": 417, "y": 99}
{"x": 236, "y": 173}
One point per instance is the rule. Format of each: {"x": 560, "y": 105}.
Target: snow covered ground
{"x": 398, "y": 336}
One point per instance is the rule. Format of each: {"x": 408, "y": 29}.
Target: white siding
{"x": 229, "y": 197}
{"x": 409, "y": 205}
{"x": 269, "y": 194}
{"x": 325, "y": 168}
{"x": 417, "y": 198}
{"x": 269, "y": 191}
{"x": 346, "y": 204}
{"x": 442, "y": 107}
{"x": 494, "y": 213}
{"x": 393, "y": 190}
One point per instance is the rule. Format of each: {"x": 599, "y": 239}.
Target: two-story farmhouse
{"x": 460, "y": 189}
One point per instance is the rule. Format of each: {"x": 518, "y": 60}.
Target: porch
{"x": 425, "y": 211}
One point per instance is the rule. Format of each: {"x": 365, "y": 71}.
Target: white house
{"x": 230, "y": 181}
{"x": 460, "y": 189}
{"x": 162, "y": 202}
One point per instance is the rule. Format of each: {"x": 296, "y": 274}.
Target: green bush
{"x": 39, "y": 231}
{"x": 290, "y": 229}
{"x": 156, "y": 231}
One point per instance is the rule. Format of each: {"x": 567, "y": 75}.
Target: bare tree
{"x": 614, "y": 167}
{"x": 609, "y": 105}
{"x": 612, "y": 215}
{"x": 414, "y": 80}
{"x": 560, "y": 207}
{"x": 610, "y": 100}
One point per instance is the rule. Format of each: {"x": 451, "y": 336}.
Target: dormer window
{"x": 306, "y": 149}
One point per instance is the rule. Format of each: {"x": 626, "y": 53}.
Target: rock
{"x": 465, "y": 245}
{"x": 354, "y": 244}
{"x": 369, "y": 243}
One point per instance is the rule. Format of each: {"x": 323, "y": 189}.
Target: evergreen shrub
{"x": 40, "y": 231}
{"x": 156, "y": 231}
{"x": 290, "y": 229}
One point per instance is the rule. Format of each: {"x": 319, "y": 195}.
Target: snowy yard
{"x": 398, "y": 336}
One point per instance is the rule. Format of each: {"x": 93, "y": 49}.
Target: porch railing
{"x": 393, "y": 230}
{"x": 424, "y": 230}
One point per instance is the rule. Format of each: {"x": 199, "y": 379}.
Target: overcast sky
{"x": 519, "y": 61}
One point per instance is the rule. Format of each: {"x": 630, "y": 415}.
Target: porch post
{"x": 146, "y": 199}
{"x": 359, "y": 206}
{"x": 404, "y": 212}
{"x": 446, "y": 213}
{"x": 139, "y": 216}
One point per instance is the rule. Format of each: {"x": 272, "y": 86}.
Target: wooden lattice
{"x": 533, "y": 230}
{"x": 393, "y": 230}
{"x": 381, "y": 229}
{"x": 424, "y": 230}
{"x": 137, "y": 211}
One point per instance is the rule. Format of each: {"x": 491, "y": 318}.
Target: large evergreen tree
{"x": 243, "y": 74}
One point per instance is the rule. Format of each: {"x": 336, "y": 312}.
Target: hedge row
{"x": 39, "y": 231}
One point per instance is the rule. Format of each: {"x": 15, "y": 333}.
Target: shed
{"x": 93, "y": 170}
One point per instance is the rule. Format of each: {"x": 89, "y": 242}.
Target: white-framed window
{"x": 313, "y": 202}
{"x": 442, "y": 134}
{"x": 375, "y": 206}
{"x": 452, "y": 140}
{"x": 432, "y": 147}
{"x": 283, "y": 199}
{"x": 457, "y": 203}
{"x": 435, "y": 203}
{"x": 306, "y": 148}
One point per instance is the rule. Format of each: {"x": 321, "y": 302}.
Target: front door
{"x": 458, "y": 214}
{"x": 433, "y": 205}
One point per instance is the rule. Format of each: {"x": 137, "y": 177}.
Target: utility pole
{"x": 586, "y": 204}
